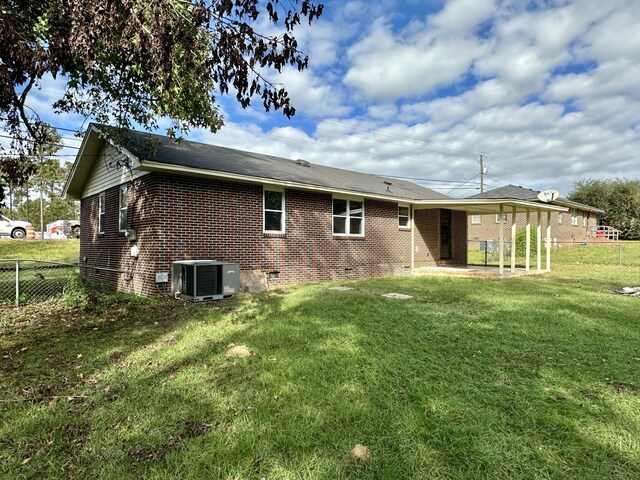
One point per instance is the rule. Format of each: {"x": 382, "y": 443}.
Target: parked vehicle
{"x": 13, "y": 228}
{"x": 64, "y": 229}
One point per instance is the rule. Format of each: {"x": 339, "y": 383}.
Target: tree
{"x": 133, "y": 61}
{"x": 619, "y": 198}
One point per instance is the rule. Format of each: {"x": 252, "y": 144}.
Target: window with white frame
{"x": 559, "y": 218}
{"x": 585, "y": 219}
{"x": 504, "y": 218}
{"x": 101, "y": 204}
{"x": 123, "y": 205}
{"x": 574, "y": 217}
{"x": 404, "y": 216}
{"x": 476, "y": 219}
{"x": 348, "y": 217}
{"x": 273, "y": 211}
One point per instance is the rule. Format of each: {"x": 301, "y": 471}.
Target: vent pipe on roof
{"x": 303, "y": 163}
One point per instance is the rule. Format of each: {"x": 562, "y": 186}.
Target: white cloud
{"x": 387, "y": 67}
{"x": 462, "y": 16}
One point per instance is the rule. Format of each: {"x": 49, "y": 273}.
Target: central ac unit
{"x": 199, "y": 280}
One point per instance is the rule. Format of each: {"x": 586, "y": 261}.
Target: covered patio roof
{"x": 480, "y": 206}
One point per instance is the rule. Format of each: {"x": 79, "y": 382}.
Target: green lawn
{"x": 65, "y": 251}
{"x": 534, "y": 377}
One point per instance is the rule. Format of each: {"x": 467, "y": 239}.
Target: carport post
{"x": 501, "y": 261}
{"x": 548, "y": 241}
{"x": 528, "y": 242}
{"x": 513, "y": 239}
{"x": 538, "y": 242}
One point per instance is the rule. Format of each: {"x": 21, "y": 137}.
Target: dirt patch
{"x": 624, "y": 388}
{"x": 191, "y": 429}
{"x": 172, "y": 338}
{"x": 360, "y": 454}
{"x": 238, "y": 351}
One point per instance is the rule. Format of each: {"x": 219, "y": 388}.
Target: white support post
{"x": 539, "y": 242}
{"x": 513, "y": 239}
{"x": 548, "y": 241}
{"x": 528, "y": 242}
{"x": 501, "y": 261}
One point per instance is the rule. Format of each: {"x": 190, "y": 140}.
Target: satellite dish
{"x": 548, "y": 196}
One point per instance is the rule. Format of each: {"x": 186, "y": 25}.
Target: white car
{"x": 13, "y": 228}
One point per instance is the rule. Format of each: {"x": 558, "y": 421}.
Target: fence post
{"x": 17, "y": 283}
{"x": 620, "y": 254}
{"x": 486, "y": 252}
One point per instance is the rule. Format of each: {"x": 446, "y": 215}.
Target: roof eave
{"x": 490, "y": 205}
{"x": 152, "y": 166}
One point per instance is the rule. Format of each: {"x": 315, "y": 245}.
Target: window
{"x": 123, "y": 201}
{"x": 559, "y": 218}
{"x": 101, "y": 213}
{"x": 273, "y": 211}
{"x": 585, "y": 217}
{"x": 504, "y": 218}
{"x": 574, "y": 217}
{"x": 476, "y": 219}
{"x": 348, "y": 217}
{"x": 404, "y": 216}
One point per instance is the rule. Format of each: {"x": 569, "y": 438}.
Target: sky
{"x": 547, "y": 91}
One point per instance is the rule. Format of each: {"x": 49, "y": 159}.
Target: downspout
{"x": 413, "y": 239}
{"x": 501, "y": 263}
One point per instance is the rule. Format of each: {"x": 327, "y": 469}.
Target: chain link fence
{"x": 29, "y": 281}
{"x": 597, "y": 252}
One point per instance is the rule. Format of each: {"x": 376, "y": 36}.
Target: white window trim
{"x": 408, "y": 216}
{"x": 559, "y": 218}
{"x": 101, "y": 213}
{"x": 283, "y": 221}
{"x": 479, "y": 222}
{"x": 349, "y": 199}
{"x": 122, "y": 187}
{"x": 574, "y": 217}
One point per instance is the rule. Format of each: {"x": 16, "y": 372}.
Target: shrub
{"x": 521, "y": 239}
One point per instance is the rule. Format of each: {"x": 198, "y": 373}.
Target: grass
{"x": 523, "y": 378}
{"x": 64, "y": 251}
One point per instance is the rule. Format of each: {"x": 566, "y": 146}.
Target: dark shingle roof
{"x": 520, "y": 193}
{"x": 228, "y": 160}
{"x": 509, "y": 191}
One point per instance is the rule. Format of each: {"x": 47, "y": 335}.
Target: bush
{"x": 521, "y": 239}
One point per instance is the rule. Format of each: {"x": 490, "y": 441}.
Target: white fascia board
{"x": 74, "y": 170}
{"x": 150, "y": 166}
{"x": 487, "y": 205}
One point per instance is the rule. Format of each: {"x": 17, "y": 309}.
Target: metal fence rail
{"x": 28, "y": 281}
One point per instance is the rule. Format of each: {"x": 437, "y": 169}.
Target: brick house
{"x": 577, "y": 224}
{"x": 149, "y": 201}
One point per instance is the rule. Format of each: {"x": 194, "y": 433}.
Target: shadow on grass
{"x": 469, "y": 379}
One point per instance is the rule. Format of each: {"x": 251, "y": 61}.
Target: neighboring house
{"x": 576, "y": 225}
{"x": 283, "y": 221}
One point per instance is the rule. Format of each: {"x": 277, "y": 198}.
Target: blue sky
{"x": 548, "y": 91}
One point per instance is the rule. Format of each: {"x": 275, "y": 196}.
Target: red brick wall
{"x": 181, "y": 218}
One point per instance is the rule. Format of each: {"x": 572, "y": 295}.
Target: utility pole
{"x": 41, "y": 195}
{"x": 482, "y": 172}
